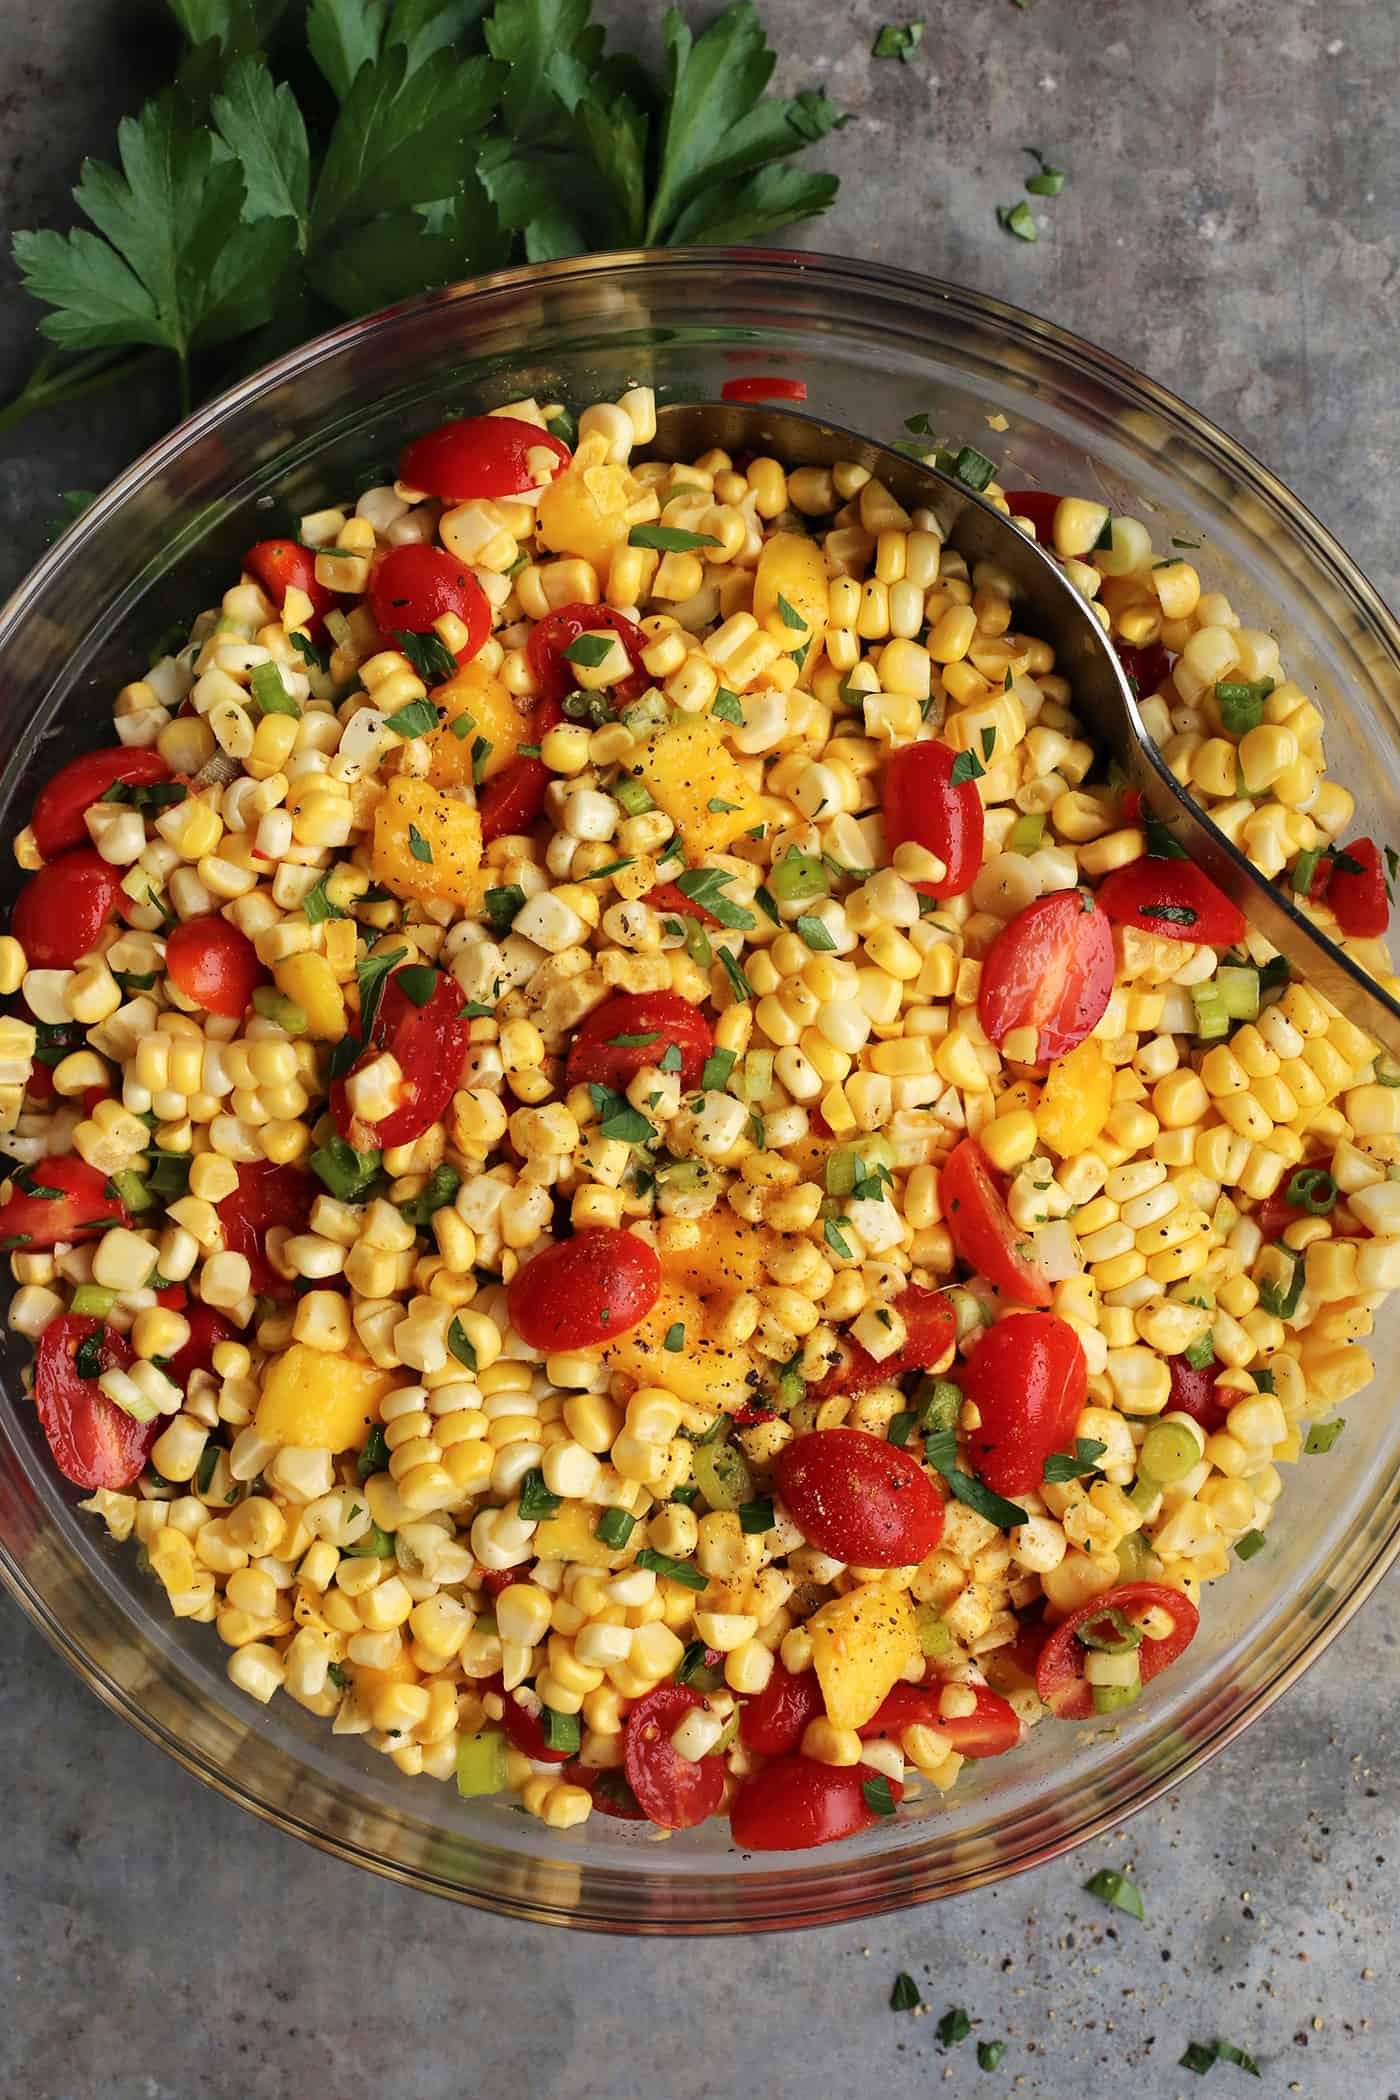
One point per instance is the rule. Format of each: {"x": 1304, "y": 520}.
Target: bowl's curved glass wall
{"x": 874, "y": 348}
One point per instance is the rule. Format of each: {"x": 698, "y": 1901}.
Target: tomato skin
{"x": 583, "y": 1290}
{"x": 478, "y": 456}
{"x": 1050, "y": 968}
{"x": 61, "y": 911}
{"x": 609, "y": 1791}
{"x": 511, "y": 800}
{"x": 550, "y": 637}
{"x": 860, "y": 1499}
{"x": 1040, "y": 506}
{"x": 1357, "y": 896}
{"x": 772, "y": 1722}
{"x": 1059, "y": 1676}
{"x": 769, "y": 387}
{"x": 992, "y": 1729}
{"x": 207, "y": 1329}
{"x": 94, "y": 1444}
{"x": 417, "y": 584}
{"x": 283, "y": 565}
{"x": 215, "y": 965}
{"x": 525, "y": 1731}
{"x": 1137, "y": 894}
{"x": 57, "y": 821}
{"x": 666, "y": 897}
{"x": 266, "y": 1195}
{"x": 981, "y": 1228}
{"x": 1195, "y": 1393}
{"x": 1028, "y": 1380}
{"x": 429, "y": 1044}
{"x": 922, "y": 804}
{"x": 86, "y": 1205}
{"x": 932, "y": 1332}
{"x": 665, "y": 1015}
{"x": 674, "y": 1791}
{"x": 795, "y": 1803}
{"x": 1146, "y": 669}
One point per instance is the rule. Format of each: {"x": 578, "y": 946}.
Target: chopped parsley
{"x": 1109, "y": 1886}
{"x": 430, "y": 657}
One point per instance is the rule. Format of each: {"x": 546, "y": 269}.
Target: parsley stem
{"x": 52, "y": 382}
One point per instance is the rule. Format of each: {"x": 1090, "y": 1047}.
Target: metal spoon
{"x": 1053, "y": 609}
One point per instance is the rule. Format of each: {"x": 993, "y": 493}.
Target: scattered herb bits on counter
{"x": 632, "y": 1171}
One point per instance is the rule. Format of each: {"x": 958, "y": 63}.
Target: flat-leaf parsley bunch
{"x": 318, "y": 160}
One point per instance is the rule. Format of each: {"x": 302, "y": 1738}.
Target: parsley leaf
{"x": 966, "y": 766}
{"x": 706, "y": 887}
{"x": 896, "y": 42}
{"x": 617, "y": 1117}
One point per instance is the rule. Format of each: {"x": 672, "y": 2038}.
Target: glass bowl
{"x": 874, "y": 346}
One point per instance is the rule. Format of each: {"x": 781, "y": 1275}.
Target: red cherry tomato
{"x": 1147, "y": 669}
{"x": 795, "y": 1803}
{"x": 676, "y": 1792}
{"x": 663, "y": 1016}
{"x": 511, "y": 800}
{"x": 1356, "y": 891}
{"x": 584, "y": 1290}
{"x": 527, "y": 1733}
{"x": 1028, "y": 1380}
{"x": 931, "y": 1332}
{"x": 266, "y": 1195}
{"x": 428, "y": 1044}
{"x": 85, "y": 1203}
{"x": 207, "y": 1329}
{"x": 479, "y": 456}
{"x": 94, "y": 1443}
{"x": 665, "y": 897}
{"x": 1059, "y": 1676}
{"x": 772, "y": 1722}
{"x": 1051, "y": 969}
{"x": 416, "y": 584}
{"x": 764, "y": 388}
{"x": 282, "y": 565}
{"x": 988, "y": 1731}
{"x": 860, "y": 1499}
{"x": 981, "y": 1227}
{"x": 57, "y": 822}
{"x": 1173, "y": 898}
{"x": 60, "y": 913}
{"x": 497, "y": 1579}
{"x": 1040, "y": 506}
{"x": 1195, "y": 1392}
{"x": 922, "y": 804}
{"x": 214, "y": 964}
{"x": 611, "y": 1794}
{"x": 558, "y": 631}
{"x": 1131, "y": 806}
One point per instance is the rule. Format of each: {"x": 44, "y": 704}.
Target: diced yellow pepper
{"x": 862, "y": 1644}
{"x": 692, "y": 774}
{"x": 793, "y": 568}
{"x": 320, "y": 1402}
{"x": 495, "y": 714}
{"x": 428, "y": 844}
{"x": 1077, "y": 1100}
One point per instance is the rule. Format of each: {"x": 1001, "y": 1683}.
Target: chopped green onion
{"x": 93, "y": 1301}
{"x": 798, "y": 877}
{"x": 1027, "y": 835}
{"x": 132, "y": 1189}
{"x": 934, "y": 1637}
{"x": 1312, "y": 1189}
{"x": 1241, "y": 703}
{"x": 1123, "y": 1639}
{"x": 1323, "y": 1435}
{"x": 481, "y": 1763}
{"x": 1253, "y": 1542}
{"x": 267, "y": 687}
{"x": 633, "y": 795}
{"x": 722, "y": 1474}
{"x": 436, "y": 1193}
{"x": 1277, "y": 1299}
{"x": 1112, "y": 1698}
{"x": 561, "y": 1731}
{"x": 974, "y": 470}
{"x": 940, "y": 1403}
{"x": 275, "y": 1006}
{"x": 1169, "y": 1453}
{"x": 1200, "y": 1353}
{"x": 346, "y": 1173}
{"x": 1212, "y": 1021}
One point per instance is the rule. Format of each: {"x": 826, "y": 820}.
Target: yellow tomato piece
{"x": 310, "y": 983}
{"x": 480, "y": 697}
{"x": 369, "y": 1679}
{"x": 1076, "y": 1101}
{"x": 793, "y": 568}
{"x": 727, "y": 1259}
{"x": 862, "y": 1644}
{"x": 570, "y": 1535}
{"x": 320, "y": 1402}
{"x": 427, "y": 844}
{"x": 704, "y": 1370}
{"x": 692, "y": 774}
{"x": 584, "y": 512}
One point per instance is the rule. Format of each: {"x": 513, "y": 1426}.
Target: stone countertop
{"x": 1229, "y": 224}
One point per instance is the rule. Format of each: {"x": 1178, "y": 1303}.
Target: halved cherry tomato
{"x": 266, "y": 1195}
{"x": 1173, "y": 898}
{"x": 986, "y": 1732}
{"x": 512, "y": 799}
{"x": 1130, "y": 804}
{"x": 57, "y": 822}
{"x": 1059, "y": 1676}
{"x": 583, "y": 1290}
{"x": 94, "y": 1443}
{"x": 1040, "y": 506}
{"x": 497, "y": 1579}
{"x": 416, "y": 584}
{"x": 665, "y": 897}
{"x": 558, "y": 631}
{"x": 527, "y": 1734}
{"x": 284, "y": 565}
{"x": 772, "y": 1721}
{"x": 795, "y": 1803}
{"x": 60, "y": 913}
{"x": 1147, "y": 669}
{"x": 1195, "y": 1392}
{"x": 664, "y": 1017}
{"x": 1356, "y": 891}
{"x": 611, "y": 1795}
{"x": 428, "y": 1044}
{"x": 215, "y": 965}
{"x": 764, "y": 388}
{"x": 931, "y": 1331}
{"x": 1051, "y": 969}
{"x": 860, "y": 1499}
{"x": 85, "y": 1203}
{"x": 923, "y": 804}
{"x": 207, "y": 1329}
{"x": 676, "y": 1792}
{"x": 981, "y": 1228}
{"x": 1028, "y": 1380}
{"x": 479, "y": 456}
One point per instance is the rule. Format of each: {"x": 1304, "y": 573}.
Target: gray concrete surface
{"x": 1230, "y": 225}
